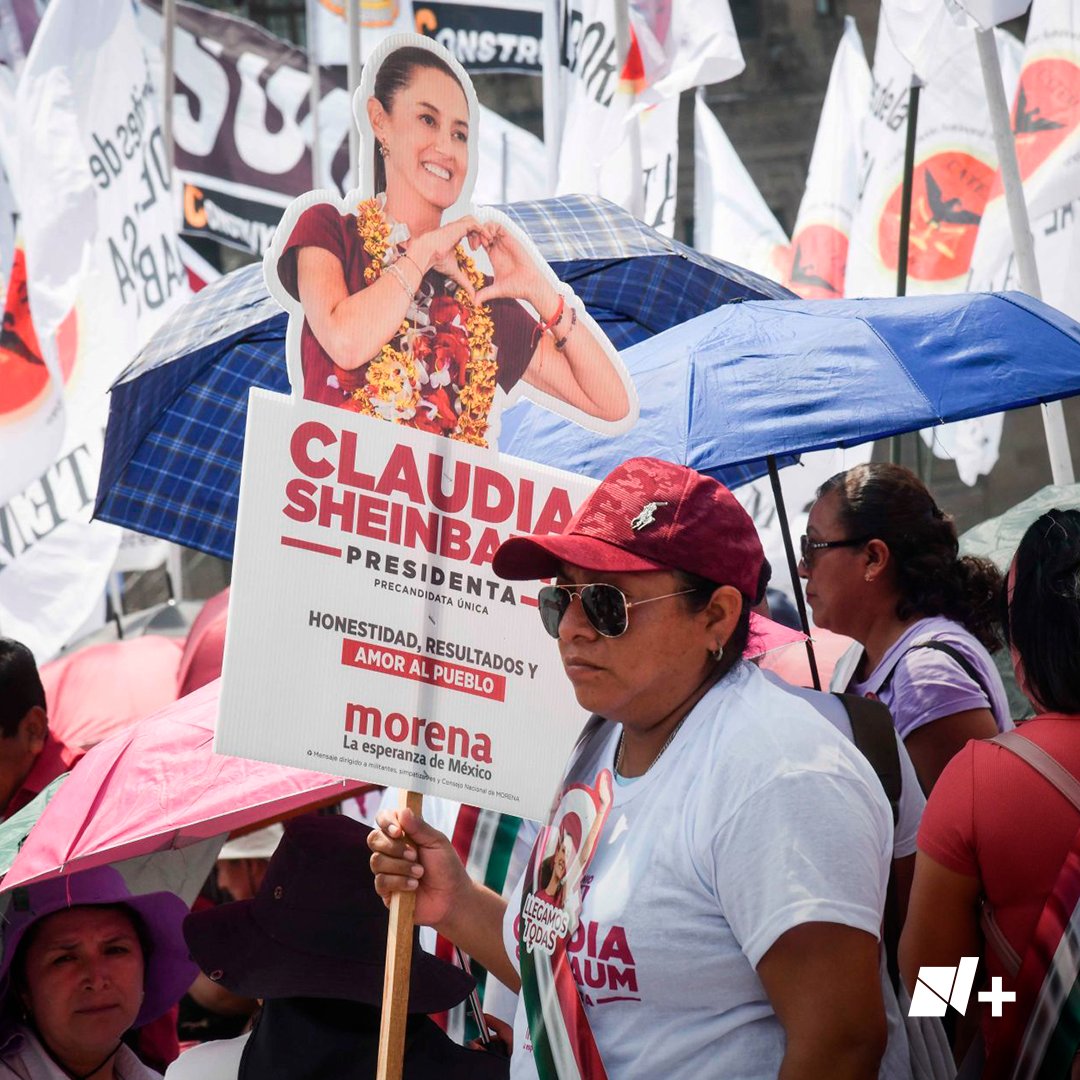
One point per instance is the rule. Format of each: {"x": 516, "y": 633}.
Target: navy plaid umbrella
{"x": 175, "y": 437}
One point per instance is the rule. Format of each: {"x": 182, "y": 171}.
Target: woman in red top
{"x": 994, "y": 829}
{"x": 398, "y": 320}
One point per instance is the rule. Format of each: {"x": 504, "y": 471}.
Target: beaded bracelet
{"x": 561, "y": 342}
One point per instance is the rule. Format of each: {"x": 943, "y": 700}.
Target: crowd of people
{"x": 739, "y": 877}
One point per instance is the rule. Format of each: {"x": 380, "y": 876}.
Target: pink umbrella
{"x": 768, "y": 636}
{"x": 158, "y": 787}
{"x": 792, "y": 666}
{"x": 205, "y": 646}
{"x": 101, "y": 690}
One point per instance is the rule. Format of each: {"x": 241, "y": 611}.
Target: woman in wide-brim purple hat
{"x": 84, "y": 961}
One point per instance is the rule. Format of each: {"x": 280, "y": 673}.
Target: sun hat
{"x": 160, "y": 915}
{"x": 260, "y": 844}
{"x": 316, "y": 927}
{"x": 647, "y": 514}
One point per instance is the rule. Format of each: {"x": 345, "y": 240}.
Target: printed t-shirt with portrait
{"x": 323, "y": 226}
{"x": 928, "y": 684}
{"x": 757, "y": 818}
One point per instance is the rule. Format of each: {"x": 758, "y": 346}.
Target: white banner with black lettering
{"x": 103, "y": 270}
{"x": 243, "y": 131}
{"x": 484, "y": 36}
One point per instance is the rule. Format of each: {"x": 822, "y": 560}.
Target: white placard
{"x": 368, "y": 636}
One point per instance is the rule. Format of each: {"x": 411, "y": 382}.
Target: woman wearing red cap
{"x": 721, "y": 917}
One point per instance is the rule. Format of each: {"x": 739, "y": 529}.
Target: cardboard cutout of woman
{"x": 409, "y": 305}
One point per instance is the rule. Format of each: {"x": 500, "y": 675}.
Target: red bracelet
{"x": 545, "y": 326}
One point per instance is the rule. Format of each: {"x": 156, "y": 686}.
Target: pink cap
{"x": 648, "y": 514}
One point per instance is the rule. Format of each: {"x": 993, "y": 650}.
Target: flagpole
{"x": 793, "y": 568}
{"x": 168, "y": 11}
{"x": 1057, "y": 439}
{"x": 314, "y": 91}
{"x": 552, "y": 75}
{"x": 505, "y": 162}
{"x": 353, "y": 30}
{"x": 905, "y": 215}
{"x": 622, "y": 51}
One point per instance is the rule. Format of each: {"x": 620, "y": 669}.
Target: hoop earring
{"x": 718, "y": 653}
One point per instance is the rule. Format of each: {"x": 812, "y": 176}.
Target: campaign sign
{"x": 367, "y": 634}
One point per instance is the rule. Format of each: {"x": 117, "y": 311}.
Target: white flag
{"x": 596, "y": 159}
{"x": 955, "y": 161}
{"x": 512, "y": 165}
{"x": 8, "y": 157}
{"x": 1056, "y": 237}
{"x": 817, "y": 260}
{"x": 731, "y": 219}
{"x": 672, "y": 48}
{"x": 679, "y": 44}
{"x": 919, "y": 31}
{"x": 328, "y": 37}
{"x": 18, "y": 23}
{"x": 31, "y": 386}
{"x": 987, "y": 13}
{"x": 99, "y": 225}
{"x": 1046, "y": 127}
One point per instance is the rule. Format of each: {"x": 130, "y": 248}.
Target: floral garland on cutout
{"x": 456, "y": 347}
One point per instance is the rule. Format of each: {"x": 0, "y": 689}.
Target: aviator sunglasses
{"x": 605, "y": 606}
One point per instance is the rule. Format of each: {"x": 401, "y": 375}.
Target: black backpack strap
{"x": 949, "y": 650}
{"x": 873, "y": 733}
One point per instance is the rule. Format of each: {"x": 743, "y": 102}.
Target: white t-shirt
{"x": 757, "y": 818}
{"x": 912, "y": 799}
{"x": 218, "y": 1060}
{"x": 896, "y": 1064}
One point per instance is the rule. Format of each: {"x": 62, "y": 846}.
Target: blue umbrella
{"x": 757, "y": 379}
{"x": 175, "y": 437}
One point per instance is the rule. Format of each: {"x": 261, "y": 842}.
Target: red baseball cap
{"x": 647, "y": 514}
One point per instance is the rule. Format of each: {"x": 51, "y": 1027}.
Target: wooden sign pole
{"x": 399, "y": 944}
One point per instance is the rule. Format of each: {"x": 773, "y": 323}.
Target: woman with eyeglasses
{"x": 881, "y": 564}
{"x": 997, "y": 874}
{"x": 721, "y": 912}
